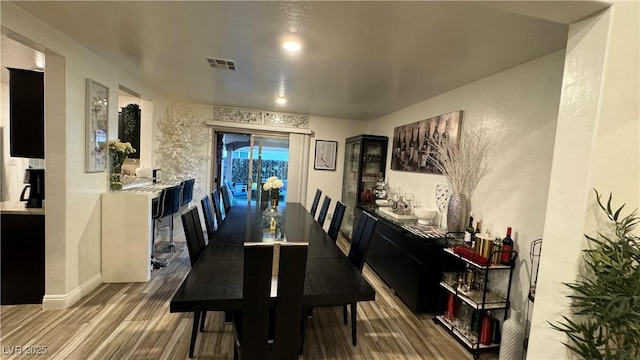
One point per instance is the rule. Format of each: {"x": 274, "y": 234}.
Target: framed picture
{"x": 96, "y": 124}
{"x": 326, "y": 152}
{"x": 414, "y": 144}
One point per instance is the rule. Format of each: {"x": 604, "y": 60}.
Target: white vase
{"x": 512, "y": 341}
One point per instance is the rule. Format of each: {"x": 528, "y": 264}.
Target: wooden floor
{"x": 132, "y": 321}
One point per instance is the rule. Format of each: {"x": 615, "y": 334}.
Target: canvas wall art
{"x": 413, "y": 144}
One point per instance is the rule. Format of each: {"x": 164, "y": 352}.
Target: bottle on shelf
{"x": 486, "y": 331}
{"x": 475, "y": 244}
{"x": 469, "y": 231}
{"x": 507, "y": 246}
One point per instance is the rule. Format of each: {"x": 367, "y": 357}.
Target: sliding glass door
{"x": 246, "y": 161}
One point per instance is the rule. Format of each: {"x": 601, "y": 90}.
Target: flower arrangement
{"x": 119, "y": 151}
{"x": 273, "y": 183}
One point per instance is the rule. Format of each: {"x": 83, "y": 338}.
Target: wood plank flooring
{"x": 132, "y": 321}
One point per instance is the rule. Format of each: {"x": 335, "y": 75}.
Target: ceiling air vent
{"x": 224, "y": 64}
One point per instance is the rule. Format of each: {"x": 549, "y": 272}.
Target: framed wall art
{"x": 96, "y": 125}
{"x": 413, "y": 144}
{"x": 326, "y": 153}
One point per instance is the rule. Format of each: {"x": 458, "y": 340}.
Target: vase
{"x": 115, "y": 177}
{"x": 456, "y": 212}
{"x": 512, "y": 340}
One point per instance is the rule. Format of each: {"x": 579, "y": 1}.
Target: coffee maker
{"x": 34, "y": 178}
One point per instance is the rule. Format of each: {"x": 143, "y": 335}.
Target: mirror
{"x": 129, "y": 115}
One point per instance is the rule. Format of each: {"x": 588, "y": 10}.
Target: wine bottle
{"x": 469, "y": 231}
{"x": 403, "y": 148}
{"x": 486, "y": 329}
{"x": 412, "y": 145}
{"x": 424, "y": 151}
{"x": 507, "y": 246}
{"x": 475, "y": 245}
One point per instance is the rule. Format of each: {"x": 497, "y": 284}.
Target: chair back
{"x": 288, "y": 318}
{"x": 193, "y": 233}
{"x": 226, "y": 198}
{"x": 314, "y": 204}
{"x": 256, "y": 303}
{"x": 336, "y": 220}
{"x": 361, "y": 240}
{"x": 256, "y": 297}
{"x": 168, "y": 202}
{"x": 187, "y": 191}
{"x": 209, "y": 217}
{"x": 323, "y": 210}
{"x": 216, "y": 206}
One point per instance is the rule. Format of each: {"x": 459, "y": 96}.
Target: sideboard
{"x": 409, "y": 264}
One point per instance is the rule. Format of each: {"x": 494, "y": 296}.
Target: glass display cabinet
{"x": 365, "y": 162}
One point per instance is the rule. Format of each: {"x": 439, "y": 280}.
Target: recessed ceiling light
{"x": 281, "y": 100}
{"x": 292, "y": 46}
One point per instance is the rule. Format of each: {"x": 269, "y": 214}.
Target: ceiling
{"x": 359, "y": 60}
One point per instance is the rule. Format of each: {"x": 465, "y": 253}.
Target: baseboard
{"x": 63, "y": 301}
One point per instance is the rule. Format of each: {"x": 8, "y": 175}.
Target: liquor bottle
{"x": 469, "y": 231}
{"x": 486, "y": 332}
{"x": 475, "y": 245}
{"x": 507, "y": 246}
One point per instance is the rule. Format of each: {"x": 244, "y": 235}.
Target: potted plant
{"x": 606, "y": 297}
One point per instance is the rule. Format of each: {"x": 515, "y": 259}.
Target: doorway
{"x": 247, "y": 160}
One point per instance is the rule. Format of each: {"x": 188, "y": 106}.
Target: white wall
{"x": 597, "y": 146}
{"x": 73, "y": 209}
{"x": 519, "y": 107}
{"x": 330, "y": 182}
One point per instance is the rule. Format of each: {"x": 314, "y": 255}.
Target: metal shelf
{"x": 473, "y": 346}
{"x": 474, "y": 304}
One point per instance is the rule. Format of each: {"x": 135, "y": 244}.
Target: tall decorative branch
{"x": 464, "y": 163}
{"x": 181, "y": 134}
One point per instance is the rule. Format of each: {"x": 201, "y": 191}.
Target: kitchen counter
{"x": 19, "y": 208}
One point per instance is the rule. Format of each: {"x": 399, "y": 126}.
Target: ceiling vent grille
{"x": 224, "y": 64}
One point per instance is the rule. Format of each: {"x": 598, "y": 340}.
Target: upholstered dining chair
{"x": 270, "y": 334}
{"x": 336, "y": 220}
{"x": 195, "y": 245}
{"x": 216, "y": 207}
{"x": 314, "y": 204}
{"x": 323, "y": 210}
{"x": 226, "y": 198}
{"x": 360, "y": 242}
{"x": 209, "y": 216}
{"x": 168, "y": 204}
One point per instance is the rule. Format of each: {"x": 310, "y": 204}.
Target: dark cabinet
{"x": 22, "y": 259}
{"x": 129, "y": 127}
{"x": 365, "y": 162}
{"x": 26, "y": 113}
{"x": 410, "y": 265}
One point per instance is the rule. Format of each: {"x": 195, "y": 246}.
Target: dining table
{"x": 215, "y": 281}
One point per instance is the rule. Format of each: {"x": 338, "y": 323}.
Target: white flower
{"x": 272, "y": 183}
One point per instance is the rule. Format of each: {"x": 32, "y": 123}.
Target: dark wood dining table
{"x": 216, "y": 279}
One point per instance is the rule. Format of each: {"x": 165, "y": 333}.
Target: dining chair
{"x": 187, "y": 191}
{"x": 271, "y": 331}
{"x": 336, "y": 220}
{"x": 209, "y": 217}
{"x": 195, "y": 244}
{"x": 357, "y": 255}
{"x": 168, "y": 204}
{"x": 216, "y": 207}
{"x": 314, "y": 204}
{"x": 226, "y": 198}
{"x": 323, "y": 210}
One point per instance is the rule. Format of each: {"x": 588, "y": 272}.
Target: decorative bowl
{"x": 424, "y": 215}
{"x": 382, "y": 202}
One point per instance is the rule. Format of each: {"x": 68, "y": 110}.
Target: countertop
{"x": 20, "y": 208}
